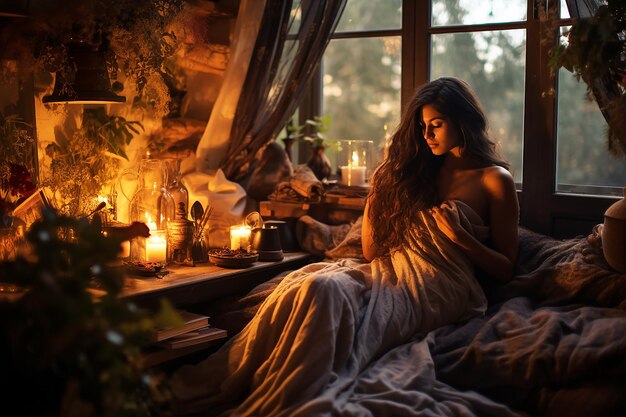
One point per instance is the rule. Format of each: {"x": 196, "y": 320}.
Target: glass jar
{"x": 355, "y": 162}
{"x": 153, "y": 205}
{"x": 176, "y": 188}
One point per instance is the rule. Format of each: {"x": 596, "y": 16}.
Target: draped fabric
{"x": 606, "y": 90}
{"x": 583, "y": 8}
{"x": 291, "y": 40}
{"x": 214, "y": 142}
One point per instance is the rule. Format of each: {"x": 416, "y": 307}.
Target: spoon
{"x": 196, "y": 213}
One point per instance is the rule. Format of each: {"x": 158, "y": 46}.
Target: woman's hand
{"x": 448, "y": 221}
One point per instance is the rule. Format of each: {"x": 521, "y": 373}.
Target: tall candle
{"x": 156, "y": 246}
{"x": 353, "y": 174}
{"x": 239, "y": 237}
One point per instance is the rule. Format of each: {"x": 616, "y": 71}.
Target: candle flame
{"x": 151, "y": 224}
{"x": 355, "y": 159}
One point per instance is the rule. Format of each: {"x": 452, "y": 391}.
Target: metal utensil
{"x": 196, "y": 214}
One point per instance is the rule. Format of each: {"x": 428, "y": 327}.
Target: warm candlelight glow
{"x": 156, "y": 247}
{"x": 151, "y": 224}
{"x": 355, "y": 159}
{"x": 353, "y": 174}
{"x": 240, "y": 237}
{"x": 156, "y": 243}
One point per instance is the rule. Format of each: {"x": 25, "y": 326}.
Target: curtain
{"x": 214, "y": 141}
{"x": 291, "y": 40}
{"x": 583, "y": 8}
{"x": 606, "y": 91}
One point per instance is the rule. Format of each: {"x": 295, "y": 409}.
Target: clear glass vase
{"x": 153, "y": 205}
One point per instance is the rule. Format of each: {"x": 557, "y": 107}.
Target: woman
{"x": 442, "y": 152}
{"x": 333, "y": 337}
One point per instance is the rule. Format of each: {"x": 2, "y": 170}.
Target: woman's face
{"x": 441, "y": 136}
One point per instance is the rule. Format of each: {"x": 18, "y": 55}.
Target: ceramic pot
{"x": 266, "y": 241}
{"x": 319, "y": 163}
{"x": 287, "y": 240}
{"x": 614, "y": 235}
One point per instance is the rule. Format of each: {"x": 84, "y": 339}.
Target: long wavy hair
{"x": 406, "y": 181}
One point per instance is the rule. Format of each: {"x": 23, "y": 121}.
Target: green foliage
{"x": 70, "y": 342}
{"x": 112, "y": 132}
{"x": 313, "y": 130}
{"x": 81, "y": 166}
{"x": 594, "y": 52}
{"x": 135, "y": 37}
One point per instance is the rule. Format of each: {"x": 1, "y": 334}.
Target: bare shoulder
{"x": 498, "y": 181}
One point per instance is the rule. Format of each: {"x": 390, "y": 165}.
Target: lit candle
{"x": 156, "y": 247}
{"x": 156, "y": 243}
{"x": 353, "y": 174}
{"x": 239, "y": 237}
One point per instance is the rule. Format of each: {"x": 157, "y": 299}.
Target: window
{"x": 361, "y": 74}
{"x": 584, "y": 165}
{"x": 553, "y": 137}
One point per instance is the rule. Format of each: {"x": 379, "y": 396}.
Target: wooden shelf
{"x": 185, "y": 286}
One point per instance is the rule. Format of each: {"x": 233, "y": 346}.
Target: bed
{"x": 552, "y": 342}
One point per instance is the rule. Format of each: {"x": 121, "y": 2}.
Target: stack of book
{"x": 173, "y": 342}
{"x": 195, "y": 330}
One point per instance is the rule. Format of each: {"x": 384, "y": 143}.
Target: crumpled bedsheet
{"x": 346, "y": 338}
{"x": 552, "y": 343}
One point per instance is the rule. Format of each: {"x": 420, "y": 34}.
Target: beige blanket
{"x": 332, "y": 338}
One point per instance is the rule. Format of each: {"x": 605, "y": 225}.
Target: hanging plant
{"x": 594, "y": 50}
{"x": 135, "y": 37}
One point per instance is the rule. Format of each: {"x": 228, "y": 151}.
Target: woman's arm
{"x": 370, "y": 249}
{"x": 499, "y": 260}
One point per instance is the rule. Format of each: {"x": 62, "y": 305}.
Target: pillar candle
{"x": 353, "y": 175}
{"x": 156, "y": 246}
{"x": 240, "y": 237}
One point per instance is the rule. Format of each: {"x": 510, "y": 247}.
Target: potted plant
{"x": 85, "y": 163}
{"x": 313, "y": 131}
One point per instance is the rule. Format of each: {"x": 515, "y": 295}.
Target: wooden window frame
{"x": 542, "y": 208}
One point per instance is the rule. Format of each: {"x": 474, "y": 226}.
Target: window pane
{"x": 584, "y": 164}
{"x": 362, "y": 79}
{"x": 467, "y": 12}
{"x": 564, "y": 10}
{"x": 371, "y": 15}
{"x": 493, "y": 63}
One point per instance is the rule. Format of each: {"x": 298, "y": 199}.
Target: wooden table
{"x": 185, "y": 285}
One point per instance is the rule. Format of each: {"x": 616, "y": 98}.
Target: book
{"x": 192, "y": 321}
{"x": 156, "y": 355}
{"x": 194, "y": 337}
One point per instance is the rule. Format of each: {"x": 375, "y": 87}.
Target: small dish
{"x": 144, "y": 269}
{"x": 233, "y": 261}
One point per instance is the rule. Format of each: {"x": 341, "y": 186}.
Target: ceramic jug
{"x": 614, "y": 235}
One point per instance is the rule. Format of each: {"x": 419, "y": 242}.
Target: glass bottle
{"x": 177, "y": 189}
{"x": 153, "y": 205}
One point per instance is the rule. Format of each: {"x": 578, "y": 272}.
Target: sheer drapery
{"x": 606, "y": 90}
{"x": 214, "y": 142}
{"x": 291, "y": 40}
